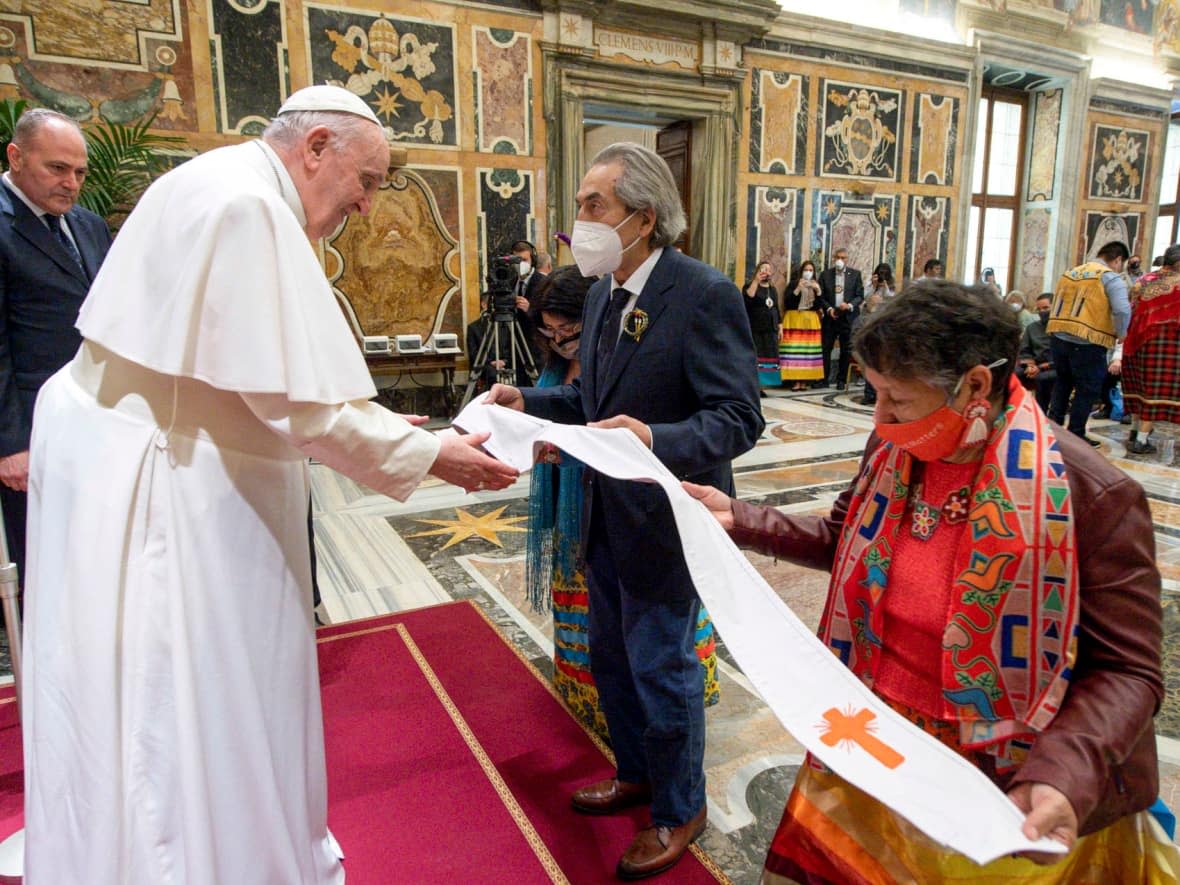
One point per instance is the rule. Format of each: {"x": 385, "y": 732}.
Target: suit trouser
{"x": 644, "y": 663}
{"x": 1081, "y": 369}
{"x": 15, "y": 505}
{"x": 832, "y": 330}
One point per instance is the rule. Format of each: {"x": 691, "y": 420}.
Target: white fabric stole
{"x": 810, "y": 691}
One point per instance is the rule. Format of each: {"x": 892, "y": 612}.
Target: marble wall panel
{"x": 927, "y": 235}
{"x": 861, "y": 131}
{"x": 1118, "y": 163}
{"x": 405, "y": 68}
{"x": 120, "y": 61}
{"x": 864, "y": 225}
{"x": 933, "y": 139}
{"x": 1034, "y": 244}
{"x": 103, "y": 32}
{"x": 503, "y": 74}
{"x": 248, "y": 55}
{"x": 505, "y": 212}
{"x": 778, "y": 122}
{"x": 1042, "y": 167}
{"x": 774, "y": 230}
{"x": 399, "y": 267}
{"x": 1107, "y": 227}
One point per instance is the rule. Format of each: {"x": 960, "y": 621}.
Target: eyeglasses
{"x": 563, "y": 331}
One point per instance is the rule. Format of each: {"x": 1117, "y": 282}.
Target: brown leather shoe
{"x": 659, "y": 848}
{"x": 610, "y": 797}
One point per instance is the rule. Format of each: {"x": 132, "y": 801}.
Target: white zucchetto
{"x": 328, "y": 98}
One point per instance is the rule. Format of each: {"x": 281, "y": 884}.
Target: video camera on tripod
{"x": 503, "y": 351}
{"x": 503, "y": 275}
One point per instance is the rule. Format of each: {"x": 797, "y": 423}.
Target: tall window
{"x": 1166, "y": 232}
{"x": 995, "y": 189}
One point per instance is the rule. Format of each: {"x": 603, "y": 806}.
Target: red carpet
{"x": 408, "y": 799}
{"x": 12, "y": 791}
{"x": 418, "y": 795}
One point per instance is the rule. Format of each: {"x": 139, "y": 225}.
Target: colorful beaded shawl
{"x": 1010, "y": 641}
{"x": 1155, "y": 301}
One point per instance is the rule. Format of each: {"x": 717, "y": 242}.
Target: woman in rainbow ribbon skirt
{"x": 800, "y": 348}
{"x": 554, "y": 574}
{"x": 982, "y": 589}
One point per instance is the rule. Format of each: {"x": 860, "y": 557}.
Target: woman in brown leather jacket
{"x": 981, "y": 587}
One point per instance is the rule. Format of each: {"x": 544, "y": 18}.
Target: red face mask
{"x": 944, "y": 431}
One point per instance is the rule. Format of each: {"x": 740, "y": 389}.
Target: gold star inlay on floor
{"x": 488, "y": 526}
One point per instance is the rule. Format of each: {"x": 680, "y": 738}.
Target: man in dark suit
{"x": 50, "y": 250}
{"x": 841, "y": 291}
{"x": 666, "y": 353}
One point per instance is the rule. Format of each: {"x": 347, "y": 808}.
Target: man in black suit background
{"x": 666, "y": 353}
{"x": 50, "y": 250}
{"x": 841, "y": 291}
{"x": 530, "y": 277}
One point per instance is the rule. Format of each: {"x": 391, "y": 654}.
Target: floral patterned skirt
{"x": 571, "y": 654}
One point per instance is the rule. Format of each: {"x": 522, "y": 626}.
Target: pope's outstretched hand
{"x": 461, "y": 462}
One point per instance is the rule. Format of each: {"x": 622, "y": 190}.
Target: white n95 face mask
{"x": 597, "y": 247}
{"x": 524, "y": 267}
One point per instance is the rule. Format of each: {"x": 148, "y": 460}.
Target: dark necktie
{"x": 54, "y": 222}
{"x": 608, "y": 336}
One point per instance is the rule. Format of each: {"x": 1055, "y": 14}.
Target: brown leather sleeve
{"x": 803, "y": 540}
{"x": 1100, "y": 749}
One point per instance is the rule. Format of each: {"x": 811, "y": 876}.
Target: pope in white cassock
{"x": 172, "y": 712}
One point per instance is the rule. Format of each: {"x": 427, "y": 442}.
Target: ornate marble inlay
{"x": 404, "y": 68}
{"x": 934, "y": 138}
{"x": 397, "y": 267}
{"x": 1042, "y": 167}
{"x": 1118, "y": 162}
{"x": 503, "y": 74}
{"x": 861, "y": 131}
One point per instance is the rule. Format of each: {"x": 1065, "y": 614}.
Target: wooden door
{"x": 674, "y": 144}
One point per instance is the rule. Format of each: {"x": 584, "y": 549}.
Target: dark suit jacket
{"x": 692, "y": 378}
{"x": 854, "y": 294}
{"x": 41, "y": 291}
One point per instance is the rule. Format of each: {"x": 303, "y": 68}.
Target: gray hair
{"x": 1172, "y": 254}
{"x": 286, "y": 129}
{"x": 960, "y": 327}
{"x": 33, "y": 120}
{"x": 647, "y": 183}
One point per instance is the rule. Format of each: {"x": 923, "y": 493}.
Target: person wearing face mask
{"x": 553, "y": 575}
{"x": 762, "y": 311}
{"x": 1035, "y": 361}
{"x": 979, "y": 586}
{"x": 1015, "y": 302}
{"x": 530, "y": 277}
{"x": 841, "y": 293}
{"x": 801, "y": 348}
{"x": 1134, "y": 269}
{"x": 666, "y": 354}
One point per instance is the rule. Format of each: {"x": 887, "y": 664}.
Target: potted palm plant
{"x": 123, "y": 160}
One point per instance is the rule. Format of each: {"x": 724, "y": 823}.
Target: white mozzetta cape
{"x": 212, "y": 277}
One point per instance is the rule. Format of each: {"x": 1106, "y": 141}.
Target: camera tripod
{"x": 505, "y": 358}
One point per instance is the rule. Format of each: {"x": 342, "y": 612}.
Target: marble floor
{"x": 378, "y": 555}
